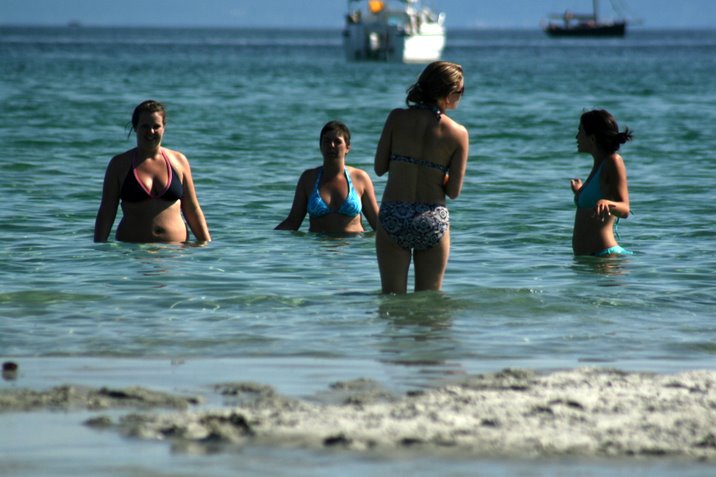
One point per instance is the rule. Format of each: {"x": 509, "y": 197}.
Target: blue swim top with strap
{"x": 591, "y": 192}
{"x": 350, "y": 207}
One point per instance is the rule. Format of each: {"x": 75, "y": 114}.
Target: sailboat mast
{"x": 595, "y": 9}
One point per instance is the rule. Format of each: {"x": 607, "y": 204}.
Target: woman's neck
{"x": 333, "y": 168}
{"x": 149, "y": 151}
{"x": 599, "y": 157}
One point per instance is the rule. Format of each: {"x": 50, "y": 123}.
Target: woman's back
{"x": 425, "y": 154}
{"x": 421, "y": 150}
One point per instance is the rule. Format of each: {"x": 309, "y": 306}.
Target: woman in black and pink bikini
{"x": 154, "y": 186}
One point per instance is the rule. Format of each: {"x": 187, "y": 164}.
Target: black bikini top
{"x": 134, "y": 190}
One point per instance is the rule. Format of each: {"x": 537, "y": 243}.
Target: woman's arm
{"x": 382, "y": 153}
{"x": 299, "y": 207}
{"x": 368, "y": 202}
{"x": 109, "y": 202}
{"x": 190, "y": 203}
{"x": 618, "y": 190}
{"x": 458, "y": 164}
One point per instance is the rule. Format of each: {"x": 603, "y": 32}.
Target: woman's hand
{"x": 576, "y": 184}
{"x": 603, "y": 209}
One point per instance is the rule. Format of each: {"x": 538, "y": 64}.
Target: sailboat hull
{"x": 617, "y": 29}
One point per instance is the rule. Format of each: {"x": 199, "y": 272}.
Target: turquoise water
{"x": 299, "y": 310}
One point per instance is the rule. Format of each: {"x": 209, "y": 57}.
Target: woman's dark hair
{"x": 437, "y": 80}
{"x": 148, "y": 106}
{"x": 601, "y": 124}
{"x": 336, "y": 126}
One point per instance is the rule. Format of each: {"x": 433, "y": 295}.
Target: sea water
{"x": 299, "y": 311}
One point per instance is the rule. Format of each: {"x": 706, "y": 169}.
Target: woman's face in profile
{"x": 582, "y": 140}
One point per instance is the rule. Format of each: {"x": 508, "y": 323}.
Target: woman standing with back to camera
{"x": 426, "y": 154}
{"x": 604, "y": 197}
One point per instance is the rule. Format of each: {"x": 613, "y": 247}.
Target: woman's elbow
{"x": 452, "y": 191}
{"x": 190, "y": 208}
{"x": 373, "y": 221}
{"x": 289, "y": 223}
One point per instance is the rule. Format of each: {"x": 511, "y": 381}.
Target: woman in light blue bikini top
{"x": 591, "y": 192}
{"x": 317, "y": 207}
{"x": 348, "y": 191}
{"x": 604, "y": 198}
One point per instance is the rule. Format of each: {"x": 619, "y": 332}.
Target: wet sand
{"x": 581, "y": 412}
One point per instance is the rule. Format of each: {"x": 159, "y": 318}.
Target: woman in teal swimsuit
{"x": 334, "y": 195}
{"x": 425, "y": 153}
{"x": 604, "y": 197}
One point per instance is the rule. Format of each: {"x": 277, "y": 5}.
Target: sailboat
{"x": 579, "y": 24}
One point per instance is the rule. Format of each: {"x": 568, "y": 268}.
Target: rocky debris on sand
{"x": 69, "y": 397}
{"x": 597, "y": 412}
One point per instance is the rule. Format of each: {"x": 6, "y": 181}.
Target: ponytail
{"x": 625, "y": 136}
{"x": 603, "y": 126}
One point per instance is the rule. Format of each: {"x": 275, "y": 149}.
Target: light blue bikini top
{"x": 591, "y": 192}
{"x": 317, "y": 207}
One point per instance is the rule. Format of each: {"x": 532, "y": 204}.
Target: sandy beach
{"x": 580, "y": 412}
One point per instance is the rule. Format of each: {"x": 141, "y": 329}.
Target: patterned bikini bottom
{"x": 414, "y": 226}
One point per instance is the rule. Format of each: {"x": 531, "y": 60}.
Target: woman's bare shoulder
{"x": 398, "y": 113}
{"x": 125, "y": 156}
{"x": 308, "y": 176}
{"x": 311, "y": 171}
{"x": 615, "y": 167}
{"x": 357, "y": 173}
{"x": 121, "y": 162}
{"x": 454, "y": 126}
{"x": 176, "y": 157}
{"x": 614, "y": 163}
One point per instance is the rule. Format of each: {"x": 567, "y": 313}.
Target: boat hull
{"x": 390, "y": 43}
{"x": 410, "y": 34}
{"x": 617, "y": 29}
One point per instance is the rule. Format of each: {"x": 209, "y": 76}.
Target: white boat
{"x": 402, "y": 31}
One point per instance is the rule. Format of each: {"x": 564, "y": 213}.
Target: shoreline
{"x": 581, "y": 412}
